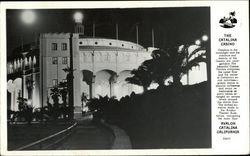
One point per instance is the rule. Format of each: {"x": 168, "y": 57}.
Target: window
{"x": 64, "y": 46}
{"x": 54, "y": 46}
{"x": 64, "y": 60}
{"x": 54, "y": 82}
{"x": 54, "y": 60}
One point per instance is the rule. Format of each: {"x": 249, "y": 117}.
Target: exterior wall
{"x": 49, "y": 70}
{"x": 95, "y": 61}
{"x": 19, "y": 71}
{"x": 101, "y": 67}
{"x": 119, "y": 60}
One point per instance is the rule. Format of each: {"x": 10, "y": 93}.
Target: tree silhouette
{"x": 158, "y": 66}
{"x": 102, "y": 106}
{"x": 70, "y": 78}
{"x": 84, "y": 100}
{"x": 63, "y": 90}
{"x": 181, "y": 61}
{"x": 173, "y": 62}
{"x": 55, "y": 94}
{"x": 96, "y": 106}
{"x": 25, "y": 110}
{"x": 141, "y": 77}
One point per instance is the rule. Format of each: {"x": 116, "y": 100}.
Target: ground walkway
{"x": 83, "y": 135}
{"x": 88, "y": 135}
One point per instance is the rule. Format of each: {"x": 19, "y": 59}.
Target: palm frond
{"x": 133, "y": 80}
{"x": 196, "y": 51}
{"x": 194, "y": 62}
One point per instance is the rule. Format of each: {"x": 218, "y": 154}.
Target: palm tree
{"x": 22, "y": 103}
{"x": 181, "y": 62}
{"x": 25, "y": 110}
{"x": 63, "y": 90}
{"x": 55, "y": 94}
{"x": 84, "y": 100}
{"x": 157, "y": 66}
{"x": 141, "y": 77}
{"x": 70, "y": 77}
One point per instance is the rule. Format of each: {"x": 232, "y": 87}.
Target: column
{"x": 23, "y": 77}
{"x": 92, "y": 87}
{"x": 113, "y": 80}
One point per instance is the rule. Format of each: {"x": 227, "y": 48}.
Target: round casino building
{"x": 100, "y": 68}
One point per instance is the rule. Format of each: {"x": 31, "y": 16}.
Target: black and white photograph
{"x": 108, "y": 78}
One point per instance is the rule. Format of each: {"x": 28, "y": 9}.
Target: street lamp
{"x": 28, "y": 17}
{"x": 206, "y": 46}
{"x": 204, "y": 38}
{"x": 78, "y": 17}
{"x": 198, "y": 42}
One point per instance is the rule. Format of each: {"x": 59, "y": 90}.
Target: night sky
{"x": 172, "y": 26}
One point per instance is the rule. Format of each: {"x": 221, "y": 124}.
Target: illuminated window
{"x": 64, "y": 60}
{"x": 54, "y": 46}
{"x": 54, "y": 82}
{"x": 54, "y": 60}
{"x": 64, "y": 46}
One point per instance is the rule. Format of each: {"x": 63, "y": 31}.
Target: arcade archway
{"x": 104, "y": 83}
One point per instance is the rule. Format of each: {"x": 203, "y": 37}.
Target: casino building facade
{"x": 100, "y": 68}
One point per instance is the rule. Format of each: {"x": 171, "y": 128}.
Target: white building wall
{"x": 92, "y": 54}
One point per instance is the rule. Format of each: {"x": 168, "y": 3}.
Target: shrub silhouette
{"x": 162, "y": 118}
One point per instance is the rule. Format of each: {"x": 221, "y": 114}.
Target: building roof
{"x": 31, "y": 48}
{"x": 106, "y": 48}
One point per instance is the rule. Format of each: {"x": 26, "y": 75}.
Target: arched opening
{"x": 87, "y": 83}
{"x": 124, "y": 88}
{"x": 10, "y": 90}
{"x": 104, "y": 83}
{"x": 14, "y": 89}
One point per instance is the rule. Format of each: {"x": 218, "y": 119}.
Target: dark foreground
{"x": 171, "y": 118}
{"x": 22, "y": 134}
{"x": 86, "y": 135}
{"x": 167, "y": 117}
